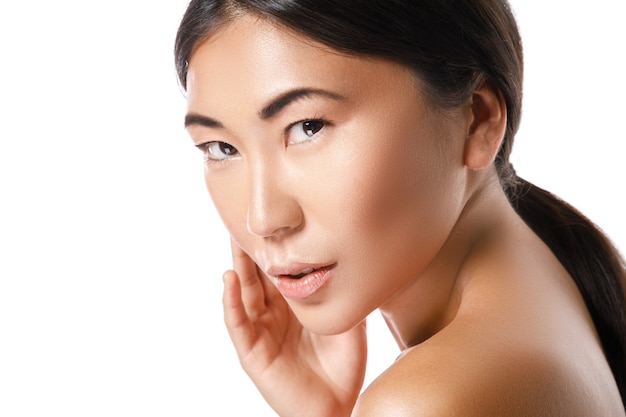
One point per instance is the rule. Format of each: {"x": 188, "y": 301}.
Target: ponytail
{"x": 588, "y": 256}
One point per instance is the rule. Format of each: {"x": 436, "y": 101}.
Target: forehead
{"x": 252, "y": 59}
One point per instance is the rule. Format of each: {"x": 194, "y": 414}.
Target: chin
{"x": 325, "y": 321}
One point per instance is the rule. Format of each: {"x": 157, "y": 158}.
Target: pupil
{"x": 226, "y": 149}
{"x": 311, "y": 127}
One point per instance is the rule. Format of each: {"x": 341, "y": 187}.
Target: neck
{"x": 433, "y": 298}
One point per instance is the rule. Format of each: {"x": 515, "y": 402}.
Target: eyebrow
{"x": 270, "y": 110}
{"x": 197, "y": 119}
{"x": 288, "y": 97}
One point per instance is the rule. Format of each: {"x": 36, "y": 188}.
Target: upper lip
{"x": 295, "y": 268}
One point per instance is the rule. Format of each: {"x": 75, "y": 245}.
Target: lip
{"x": 300, "y": 288}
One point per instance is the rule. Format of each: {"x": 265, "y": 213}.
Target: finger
{"x": 239, "y": 326}
{"x": 250, "y": 280}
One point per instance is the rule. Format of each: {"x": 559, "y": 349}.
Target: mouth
{"x": 296, "y": 270}
{"x": 302, "y": 273}
{"x": 298, "y": 281}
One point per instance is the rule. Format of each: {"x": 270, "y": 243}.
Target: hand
{"x": 297, "y": 372}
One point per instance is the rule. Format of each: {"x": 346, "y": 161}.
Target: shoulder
{"x": 441, "y": 380}
{"x": 417, "y": 386}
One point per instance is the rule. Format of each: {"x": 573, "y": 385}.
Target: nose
{"x": 272, "y": 209}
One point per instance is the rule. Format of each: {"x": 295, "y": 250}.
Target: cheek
{"x": 399, "y": 181}
{"x": 395, "y": 199}
{"x": 229, "y": 197}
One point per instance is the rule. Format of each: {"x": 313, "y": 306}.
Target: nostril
{"x": 274, "y": 217}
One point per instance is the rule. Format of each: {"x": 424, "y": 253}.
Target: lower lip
{"x": 301, "y": 288}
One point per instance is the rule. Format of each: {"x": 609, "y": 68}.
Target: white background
{"x": 110, "y": 251}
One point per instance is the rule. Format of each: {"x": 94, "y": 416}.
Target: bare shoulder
{"x": 426, "y": 383}
{"x": 442, "y": 379}
{"x": 521, "y": 344}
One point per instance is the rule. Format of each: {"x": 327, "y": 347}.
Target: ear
{"x": 487, "y": 127}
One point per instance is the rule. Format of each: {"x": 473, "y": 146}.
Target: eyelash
{"x": 206, "y": 147}
{"x": 324, "y": 124}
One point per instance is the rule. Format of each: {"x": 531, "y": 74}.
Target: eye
{"x": 305, "y": 130}
{"x": 218, "y": 151}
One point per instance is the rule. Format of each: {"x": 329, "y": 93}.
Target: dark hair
{"x": 452, "y": 46}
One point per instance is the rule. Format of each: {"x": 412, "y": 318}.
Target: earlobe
{"x": 487, "y": 128}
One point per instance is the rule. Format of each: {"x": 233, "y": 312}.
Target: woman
{"x": 357, "y": 153}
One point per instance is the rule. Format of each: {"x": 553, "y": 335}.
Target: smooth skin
{"x": 314, "y": 157}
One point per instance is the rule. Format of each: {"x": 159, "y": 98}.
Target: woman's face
{"x": 326, "y": 167}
